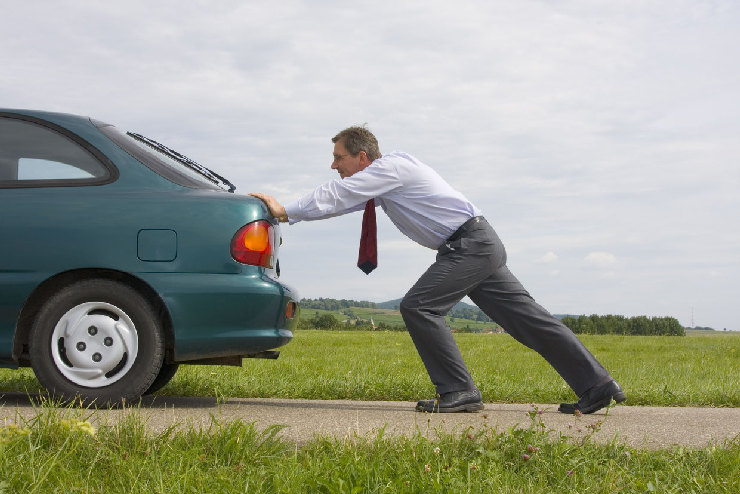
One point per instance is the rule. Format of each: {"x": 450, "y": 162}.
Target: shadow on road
{"x": 15, "y": 399}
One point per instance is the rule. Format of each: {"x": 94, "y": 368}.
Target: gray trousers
{"x": 473, "y": 263}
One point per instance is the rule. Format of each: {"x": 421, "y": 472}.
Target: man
{"x": 471, "y": 260}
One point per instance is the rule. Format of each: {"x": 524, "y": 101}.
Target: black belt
{"x": 465, "y": 227}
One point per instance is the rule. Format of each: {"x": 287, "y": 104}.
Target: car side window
{"x": 32, "y": 155}
{"x": 38, "y": 169}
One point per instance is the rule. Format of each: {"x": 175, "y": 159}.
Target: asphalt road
{"x": 639, "y": 427}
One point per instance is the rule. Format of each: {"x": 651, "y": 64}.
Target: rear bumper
{"x": 226, "y": 315}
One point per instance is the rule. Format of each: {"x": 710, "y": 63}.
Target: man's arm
{"x": 337, "y": 197}
{"x": 276, "y": 209}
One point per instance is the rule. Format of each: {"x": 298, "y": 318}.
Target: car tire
{"x": 97, "y": 341}
{"x": 166, "y": 373}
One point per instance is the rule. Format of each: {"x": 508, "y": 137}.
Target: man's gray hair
{"x": 356, "y": 139}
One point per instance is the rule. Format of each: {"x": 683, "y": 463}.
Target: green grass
{"x": 668, "y": 371}
{"x": 366, "y": 365}
{"x": 62, "y": 452}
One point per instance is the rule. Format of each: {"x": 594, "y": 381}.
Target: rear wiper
{"x": 206, "y": 172}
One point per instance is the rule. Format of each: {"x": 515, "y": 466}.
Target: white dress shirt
{"x": 417, "y": 200}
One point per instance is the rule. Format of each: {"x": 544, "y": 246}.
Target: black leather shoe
{"x": 595, "y": 398}
{"x": 456, "y": 401}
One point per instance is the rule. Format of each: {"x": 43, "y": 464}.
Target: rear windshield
{"x": 167, "y": 162}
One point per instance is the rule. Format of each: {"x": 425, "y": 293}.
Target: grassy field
{"x": 366, "y": 365}
{"x": 56, "y": 453}
{"x": 672, "y": 371}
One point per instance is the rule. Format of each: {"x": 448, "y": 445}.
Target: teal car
{"x": 121, "y": 259}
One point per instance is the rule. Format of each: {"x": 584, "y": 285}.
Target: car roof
{"x": 55, "y": 117}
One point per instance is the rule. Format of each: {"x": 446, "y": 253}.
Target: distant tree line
{"x": 334, "y": 304}
{"x": 353, "y": 323}
{"x": 593, "y": 324}
{"x": 330, "y": 322}
{"x": 470, "y": 313}
{"x": 610, "y": 324}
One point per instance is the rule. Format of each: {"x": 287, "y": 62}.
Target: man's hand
{"x": 276, "y": 209}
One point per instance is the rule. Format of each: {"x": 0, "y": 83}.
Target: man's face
{"x": 346, "y": 164}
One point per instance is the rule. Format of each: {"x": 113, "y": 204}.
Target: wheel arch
{"x": 57, "y": 282}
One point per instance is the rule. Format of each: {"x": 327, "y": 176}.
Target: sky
{"x": 600, "y": 139}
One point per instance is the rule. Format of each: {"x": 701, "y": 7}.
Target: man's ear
{"x": 364, "y": 159}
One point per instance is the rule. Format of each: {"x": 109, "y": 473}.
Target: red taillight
{"x": 291, "y": 310}
{"x": 252, "y": 244}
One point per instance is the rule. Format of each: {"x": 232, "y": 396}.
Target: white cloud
{"x": 600, "y": 259}
{"x": 549, "y": 257}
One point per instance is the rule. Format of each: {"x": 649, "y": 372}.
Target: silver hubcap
{"x": 94, "y": 344}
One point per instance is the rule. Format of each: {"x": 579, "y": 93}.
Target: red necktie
{"x": 368, "y": 259}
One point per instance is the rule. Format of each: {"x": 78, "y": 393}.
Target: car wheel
{"x": 166, "y": 373}
{"x": 98, "y": 341}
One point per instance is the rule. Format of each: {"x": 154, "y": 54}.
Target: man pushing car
{"x": 471, "y": 260}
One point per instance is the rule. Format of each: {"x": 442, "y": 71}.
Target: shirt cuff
{"x": 293, "y": 211}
